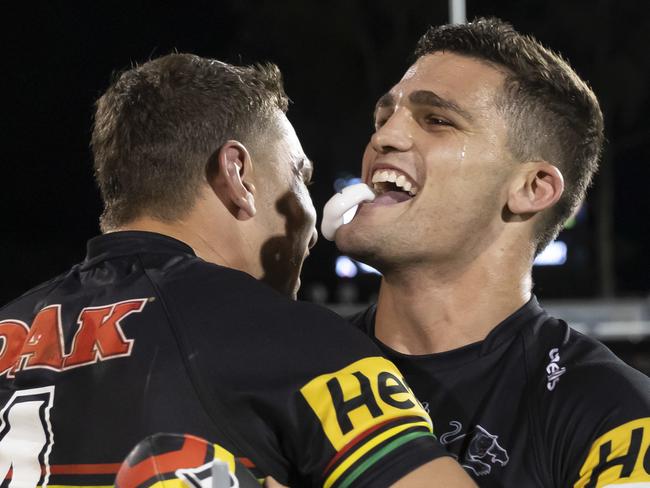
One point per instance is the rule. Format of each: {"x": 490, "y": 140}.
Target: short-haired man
{"x": 164, "y": 327}
{"x": 481, "y": 152}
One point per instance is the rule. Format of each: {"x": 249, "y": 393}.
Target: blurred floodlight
{"x": 341, "y": 183}
{"x": 345, "y": 267}
{"x": 317, "y": 293}
{"x": 349, "y": 268}
{"x": 554, "y": 255}
{"x": 577, "y": 217}
{"x": 347, "y": 292}
{"x": 367, "y": 269}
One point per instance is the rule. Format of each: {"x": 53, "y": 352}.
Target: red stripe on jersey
{"x": 191, "y": 455}
{"x": 245, "y": 462}
{"x": 84, "y": 468}
{"x": 354, "y": 442}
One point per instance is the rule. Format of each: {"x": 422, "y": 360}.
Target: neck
{"x": 209, "y": 242}
{"x": 427, "y": 310}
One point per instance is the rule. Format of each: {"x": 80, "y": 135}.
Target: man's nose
{"x": 394, "y": 135}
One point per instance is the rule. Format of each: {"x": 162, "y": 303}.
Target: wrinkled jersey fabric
{"x": 535, "y": 404}
{"x": 144, "y": 337}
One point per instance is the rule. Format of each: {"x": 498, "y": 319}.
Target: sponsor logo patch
{"x": 99, "y": 337}
{"x": 621, "y": 457}
{"x": 553, "y": 369}
{"x": 366, "y": 393}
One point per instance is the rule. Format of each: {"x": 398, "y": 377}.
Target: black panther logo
{"x": 479, "y": 450}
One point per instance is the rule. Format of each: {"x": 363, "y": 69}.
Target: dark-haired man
{"x": 481, "y": 152}
{"x": 164, "y": 327}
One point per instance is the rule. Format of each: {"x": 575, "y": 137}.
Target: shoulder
{"x": 25, "y": 303}
{"x": 239, "y": 308}
{"x": 604, "y": 405}
{"x": 587, "y": 400}
{"x": 591, "y": 373}
{"x": 578, "y": 373}
{"x": 207, "y": 285}
{"x": 565, "y": 361}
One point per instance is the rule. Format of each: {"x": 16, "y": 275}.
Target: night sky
{"x": 337, "y": 58}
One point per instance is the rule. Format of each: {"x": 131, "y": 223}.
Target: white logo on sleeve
{"x": 553, "y": 370}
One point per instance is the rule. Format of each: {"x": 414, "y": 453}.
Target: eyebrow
{"x": 426, "y": 98}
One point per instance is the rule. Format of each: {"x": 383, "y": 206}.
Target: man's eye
{"x": 433, "y": 120}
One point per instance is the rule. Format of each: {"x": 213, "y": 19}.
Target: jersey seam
{"x": 533, "y": 417}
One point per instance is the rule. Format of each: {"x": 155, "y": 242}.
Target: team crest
{"x": 480, "y": 450}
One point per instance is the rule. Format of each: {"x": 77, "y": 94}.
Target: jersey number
{"x": 26, "y": 437}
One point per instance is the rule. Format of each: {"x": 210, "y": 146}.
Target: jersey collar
{"x": 124, "y": 243}
{"x": 530, "y": 314}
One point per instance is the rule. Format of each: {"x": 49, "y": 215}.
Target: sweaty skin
{"x": 339, "y": 204}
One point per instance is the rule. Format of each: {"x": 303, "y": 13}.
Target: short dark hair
{"x": 553, "y": 115}
{"x": 159, "y": 124}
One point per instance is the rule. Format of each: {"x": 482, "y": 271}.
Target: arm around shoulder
{"x": 443, "y": 472}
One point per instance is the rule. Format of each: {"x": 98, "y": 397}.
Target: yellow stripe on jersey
{"x": 172, "y": 483}
{"x": 621, "y": 457}
{"x": 374, "y": 441}
{"x": 365, "y": 393}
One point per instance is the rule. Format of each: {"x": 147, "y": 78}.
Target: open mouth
{"x": 392, "y": 186}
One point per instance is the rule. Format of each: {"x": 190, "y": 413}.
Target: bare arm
{"x": 442, "y": 472}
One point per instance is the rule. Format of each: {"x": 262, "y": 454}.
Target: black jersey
{"x": 536, "y": 404}
{"x": 145, "y": 337}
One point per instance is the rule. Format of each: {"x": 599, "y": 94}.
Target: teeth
{"x": 382, "y": 176}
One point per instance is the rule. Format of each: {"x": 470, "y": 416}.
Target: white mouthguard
{"x": 339, "y": 204}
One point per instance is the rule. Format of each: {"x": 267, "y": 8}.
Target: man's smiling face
{"x": 439, "y": 162}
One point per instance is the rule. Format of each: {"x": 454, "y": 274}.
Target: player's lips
{"x": 391, "y": 185}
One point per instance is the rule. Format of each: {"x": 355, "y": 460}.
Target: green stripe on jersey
{"x": 364, "y": 466}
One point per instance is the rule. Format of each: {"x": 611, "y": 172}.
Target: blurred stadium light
{"x": 554, "y": 255}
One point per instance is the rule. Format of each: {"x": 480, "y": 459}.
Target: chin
{"x": 355, "y": 243}
{"x": 383, "y": 252}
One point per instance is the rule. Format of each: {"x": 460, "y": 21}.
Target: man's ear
{"x": 538, "y": 185}
{"x": 235, "y": 171}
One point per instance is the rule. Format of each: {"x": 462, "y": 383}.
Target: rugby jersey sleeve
{"x": 597, "y": 419}
{"x": 306, "y": 396}
{"x": 349, "y": 419}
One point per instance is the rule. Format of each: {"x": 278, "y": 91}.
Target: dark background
{"x": 337, "y": 58}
